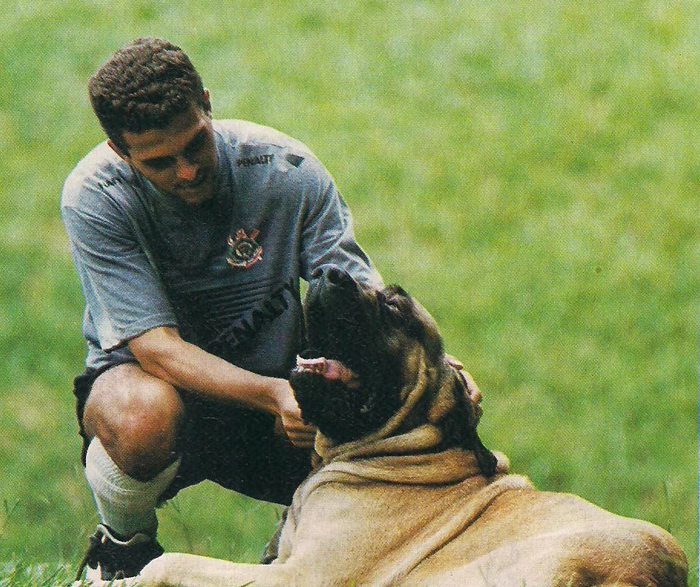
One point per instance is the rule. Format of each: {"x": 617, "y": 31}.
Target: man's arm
{"x": 327, "y": 236}
{"x": 162, "y": 353}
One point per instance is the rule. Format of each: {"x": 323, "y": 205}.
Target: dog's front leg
{"x": 187, "y": 570}
{"x": 131, "y": 582}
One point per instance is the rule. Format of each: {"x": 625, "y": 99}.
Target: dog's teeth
{"x": 313, "y": 365}
{"x": 329, "y": 368}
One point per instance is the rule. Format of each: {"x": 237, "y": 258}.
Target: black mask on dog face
{"x": 349, "y": 379}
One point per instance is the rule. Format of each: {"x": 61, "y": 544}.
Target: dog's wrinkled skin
{"x": 406, "y": 493}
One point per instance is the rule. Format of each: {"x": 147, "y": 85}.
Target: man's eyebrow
{"x": 197, "y": 138}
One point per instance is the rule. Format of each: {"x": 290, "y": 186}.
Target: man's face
{"x": 179, "y": 160}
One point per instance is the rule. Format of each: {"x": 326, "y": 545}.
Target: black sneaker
{"x": 109, "y": 557}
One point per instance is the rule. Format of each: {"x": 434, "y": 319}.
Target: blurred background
{"x": 527, "y": 169}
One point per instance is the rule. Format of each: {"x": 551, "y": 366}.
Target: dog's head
{"x": 366, "y": 349}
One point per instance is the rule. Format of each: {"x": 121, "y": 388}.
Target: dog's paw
{"x": 131, "y": 582}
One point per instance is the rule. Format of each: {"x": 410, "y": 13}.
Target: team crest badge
{"x": 244, "y": 250}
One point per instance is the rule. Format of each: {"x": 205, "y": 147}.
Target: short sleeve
{"x": 123, "y": 293}
{"x": 328, "y": 236}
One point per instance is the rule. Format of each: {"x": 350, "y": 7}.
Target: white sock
{"x": 124, "y": 504}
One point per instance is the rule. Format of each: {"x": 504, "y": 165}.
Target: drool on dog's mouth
{"x": 331, "y": 369}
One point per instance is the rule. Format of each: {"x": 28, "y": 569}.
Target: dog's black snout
{"x": 336, "y": 276}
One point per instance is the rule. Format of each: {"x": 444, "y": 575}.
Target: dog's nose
{"x": 334, "y": 274}
{"x": 337, "y": 276}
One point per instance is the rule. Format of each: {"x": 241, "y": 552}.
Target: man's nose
{"x": 185, "y": 170}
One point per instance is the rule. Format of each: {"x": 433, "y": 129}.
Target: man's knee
{"x": 137, "y": 417}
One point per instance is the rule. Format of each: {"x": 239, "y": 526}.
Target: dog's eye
{"x": 389, "y": 305}
{"x": 385, "y": 300}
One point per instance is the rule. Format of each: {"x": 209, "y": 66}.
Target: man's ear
{"x": 207, "y": 102}
{"x": 118, "y": 151}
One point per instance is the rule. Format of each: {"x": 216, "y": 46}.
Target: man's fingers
{"x": 302, "y": 440}
{"x": 305, "y": 443}
{"x": 302, "y": 428}
{"x": 472, "y": 387}
{"x": 291, "y": 423}
{"x": 300, "y": 434}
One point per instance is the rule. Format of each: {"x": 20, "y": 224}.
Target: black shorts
{"x": 236, "y": 448}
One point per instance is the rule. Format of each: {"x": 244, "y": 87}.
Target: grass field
{"x": 527, "y": 169}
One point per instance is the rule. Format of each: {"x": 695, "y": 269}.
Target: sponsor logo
{"x": 103, "y": 185}
{"x": 294, "y": 159}
{"x": 250, "y": 161}
{"x": 240, "y": 335}
{"x": 244, "y": 251}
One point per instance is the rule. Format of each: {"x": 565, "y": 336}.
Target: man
{"x": 190, "y": 237}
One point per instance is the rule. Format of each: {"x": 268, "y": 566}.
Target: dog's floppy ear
{"x": 486, "y": 459}
{"x": 460, "y": 425}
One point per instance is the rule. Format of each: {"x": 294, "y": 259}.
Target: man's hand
{"x": 289, "y": 416}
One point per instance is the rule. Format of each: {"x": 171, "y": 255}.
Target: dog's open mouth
{"x": 330, "y": 369}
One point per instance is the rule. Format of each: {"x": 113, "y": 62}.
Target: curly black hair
{"x": 144, "y": 86}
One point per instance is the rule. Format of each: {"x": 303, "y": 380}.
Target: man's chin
{"x": 195, "y": 196}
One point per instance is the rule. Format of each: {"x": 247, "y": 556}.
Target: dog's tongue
{"x": 329, "y": 368}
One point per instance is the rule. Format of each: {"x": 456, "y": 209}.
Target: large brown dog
{"x": 406, "y": 493}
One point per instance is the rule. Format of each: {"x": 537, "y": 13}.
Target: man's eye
{"x": 159, "y": 164}
{"x": 194, "y": 147}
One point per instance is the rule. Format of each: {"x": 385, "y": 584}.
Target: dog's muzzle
{"x": 330, "y": 369}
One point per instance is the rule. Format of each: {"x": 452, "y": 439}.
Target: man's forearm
{"x": 162, "y": 353}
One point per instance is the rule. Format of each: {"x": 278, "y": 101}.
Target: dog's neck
{"x": 429, "y": 385}
{"x": 410, "y": 395}
{"x": 437, "y": 413}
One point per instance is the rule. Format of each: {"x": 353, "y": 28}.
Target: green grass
{"x": 528, "y": 170}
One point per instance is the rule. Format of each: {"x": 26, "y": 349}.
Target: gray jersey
{"x": 225, "y": 273}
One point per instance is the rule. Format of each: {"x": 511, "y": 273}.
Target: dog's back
{"x": 533, "y": 538}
